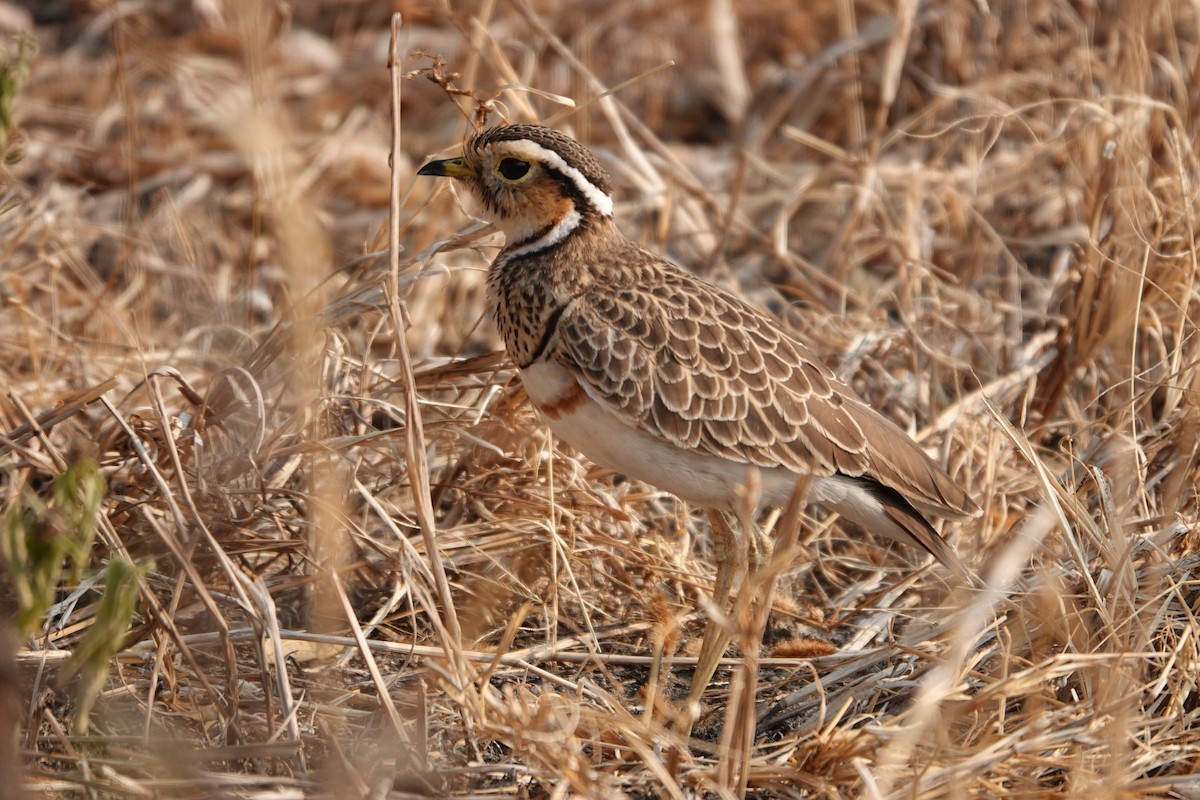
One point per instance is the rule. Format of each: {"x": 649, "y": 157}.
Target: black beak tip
{"x": 449, "y": 168}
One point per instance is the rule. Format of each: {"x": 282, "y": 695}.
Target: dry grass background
{"x": 983, "y": 214}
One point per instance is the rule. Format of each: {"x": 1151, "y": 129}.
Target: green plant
{"x": 42, "y": 535}
{"x": 14, "y": 70}
{"x": 91, "y": 657}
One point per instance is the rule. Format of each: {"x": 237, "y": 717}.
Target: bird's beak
{"x": 449, "y": 168}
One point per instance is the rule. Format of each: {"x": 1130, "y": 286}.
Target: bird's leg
{"x": 758, "y": 544}
{"x": 717, "y": 633}
{"x": 727, "y": 553}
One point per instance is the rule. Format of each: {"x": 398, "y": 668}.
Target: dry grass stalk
{"x": 985, "y": 219}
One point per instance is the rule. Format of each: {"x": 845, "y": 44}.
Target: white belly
{"x": 611, "y": 442}
{"x": 699, "y": 478}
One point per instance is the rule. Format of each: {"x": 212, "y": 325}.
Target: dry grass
{"x": 986, "y": 222}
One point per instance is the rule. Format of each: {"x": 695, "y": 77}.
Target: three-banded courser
{"x": 652, "y": 372}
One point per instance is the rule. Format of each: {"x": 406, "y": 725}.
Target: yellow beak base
{"x": 447, "y": 168}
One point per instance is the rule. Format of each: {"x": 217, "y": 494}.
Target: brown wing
{"x": 682, "y": 359}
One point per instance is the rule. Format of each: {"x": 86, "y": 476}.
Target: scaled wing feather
{"x": 704, "y": 370}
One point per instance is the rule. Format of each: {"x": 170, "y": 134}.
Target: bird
{"x": 661, "y": 376}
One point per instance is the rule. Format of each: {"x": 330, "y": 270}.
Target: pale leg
{"x": 717, "y": 634}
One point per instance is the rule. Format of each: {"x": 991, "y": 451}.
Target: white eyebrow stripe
{"x": 532, "y": 151}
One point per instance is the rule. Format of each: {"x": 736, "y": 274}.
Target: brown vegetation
{"x": 983, "y": 214}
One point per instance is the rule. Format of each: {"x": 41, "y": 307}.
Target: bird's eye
{"x": 512, "y": 169}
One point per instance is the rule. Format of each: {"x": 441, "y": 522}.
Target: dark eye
{"x": 513, "y": 169}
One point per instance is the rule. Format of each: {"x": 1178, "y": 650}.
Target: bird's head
{"x": 534, "y": 183}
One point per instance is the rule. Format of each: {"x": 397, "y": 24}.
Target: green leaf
{"x": 114, "y": 617}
